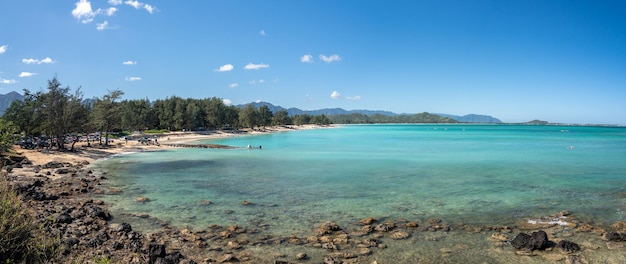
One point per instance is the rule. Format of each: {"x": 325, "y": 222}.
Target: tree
{"x": 7, "y": 135}
{"x": 215, "y": 111}
{"x": 136, "y": 115}
{"x": 61, "y": 111}
{"x": 281, "y": 118}
{"x": 26, "y": 113}
{"x": 265, "y": 116}
{"x": 320, "y": 120}
{"x": 249, "y": 117}
{"x": 299, "y": 120}
{"x": 231, "y": 117}
{"x": 106, "y": 113}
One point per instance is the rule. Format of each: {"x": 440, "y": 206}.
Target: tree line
{"x": 59, "y": 111}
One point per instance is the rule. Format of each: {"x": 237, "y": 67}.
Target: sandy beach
{"x": 93, "y": 152}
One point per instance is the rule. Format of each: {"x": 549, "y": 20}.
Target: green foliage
{"x": 105, "y": 114}
{"x": 281, "y": 118}
{"x": 20, "y": 240}
{"x": 156, "y": 131}
{"x": 56, "y": 112}
{"x": 101, "y": 260}
{"x": 7, "y": 135}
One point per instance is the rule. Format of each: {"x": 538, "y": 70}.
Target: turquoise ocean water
{"x": 476, "y": 174}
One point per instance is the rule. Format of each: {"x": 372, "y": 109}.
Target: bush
{"x": 21, "y": 241}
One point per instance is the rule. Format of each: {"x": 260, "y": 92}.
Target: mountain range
{"x": 6, "y": 99}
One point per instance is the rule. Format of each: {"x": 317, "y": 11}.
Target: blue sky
{"x": 560, "y": 61}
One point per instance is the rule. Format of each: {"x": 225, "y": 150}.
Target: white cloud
{"x": 102, "y": 26}
{"x": 129, "y": 62}
{"x": 227, "y": 101}
{"x": 138, "y": 5}
{"x": 355, "y": 98}
{"x": 253, "y": 82}
{"x": 111, "y": 11}
{"x": 149, "y": 8}
{"x": 233, "y": 85}
{"x": 135, "y": 4}
{"x": 257, "y": 101}
{"x": 307, "y": 58}
{"x": 262, "y": 33}
{"x": 46, "y": 60}
{"x": 83, "y": 11}
{"x": 5, "y": 81}
{"x": 132, "y": 79}
{"x": 225, "y": 68}
{"x": 86, "y": 14}
{"x": 329, "y": 59}
{"x": 27, "y": 74}
{"x": 252, "y": 66}
{"x": 335, "y": 95}
{"x": 3, "y": 48}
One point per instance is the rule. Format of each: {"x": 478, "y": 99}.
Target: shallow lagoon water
{"x": 476, "y": 174}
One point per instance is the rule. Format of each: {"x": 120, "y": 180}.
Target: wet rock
{"x": 329, "y": 246}
{"x": 499, "y": 237}
{"x": 328, "y": 228}
{"x": 412, "y": 225}
{"x": 575, "y": 259}
{"x": 301, "y": 256}
{"x": 367, "y": 221}
{"x": 615, "y": 245}
{"x": 62, "y": 171}
{"x": 227, "y": 258}
{"x": 124, "y": 228}
{"x": 142, "y": 199}
{"x": 97, "y": 212}
{"x": 567, "y": 246}
{"x": 364, "y": 251}
{"x": 341, "y": 239}
{"x": 614, "y": 236}
{"x": 536, "y": 240}
{"x": 619, "y": 226}
{"x": 399, "y": 235}
{"x": 370, "y": 242}
{"x": 233, "y": 245}
{"x": 385, "y": 227}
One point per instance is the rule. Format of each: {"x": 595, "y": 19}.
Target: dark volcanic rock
{"x": 539, "y": 240}
{"x": 124, "y": 227}
{"x": 97, "y": 212}
{"x": 536, "y": 240}
{"x": 64, "y": 219}
{"x": 522, "y": 240}
{"x": 156, "y": 251}
{"x": 567, "y": 246}
{"x": 614, "y": 236}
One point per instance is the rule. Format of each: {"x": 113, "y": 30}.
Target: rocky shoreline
{"x": 60, "y": 196}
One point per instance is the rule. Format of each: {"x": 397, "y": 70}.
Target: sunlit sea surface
{"x": 476, "y": 174}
